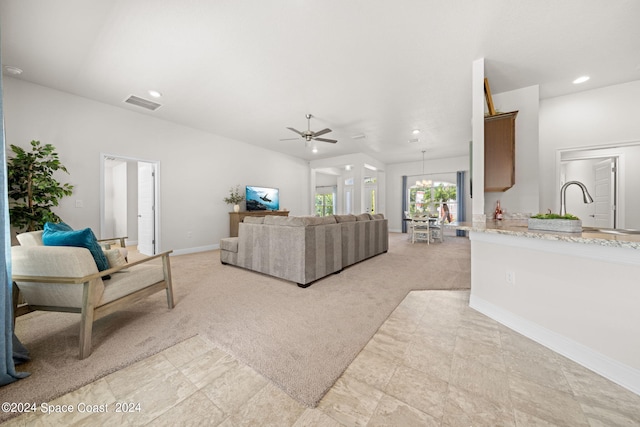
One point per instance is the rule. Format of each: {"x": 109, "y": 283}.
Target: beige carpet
{"x": 301, "y": 339}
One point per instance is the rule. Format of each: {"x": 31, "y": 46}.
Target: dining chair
{"x": 436, "y": 230}
{"x": 420, "y": 228}
{"x": 407, "y": 217}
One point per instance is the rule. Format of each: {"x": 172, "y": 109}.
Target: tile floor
{"x": 434, "y": 362}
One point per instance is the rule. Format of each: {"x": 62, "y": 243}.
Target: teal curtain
{"x": 9, "y": 345}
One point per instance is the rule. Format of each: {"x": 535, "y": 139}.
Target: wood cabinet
{"x": 500, "y": 151}
{"x": 236, "y": 218}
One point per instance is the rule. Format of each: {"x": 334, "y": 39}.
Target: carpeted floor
{"x": 301, "y": 339}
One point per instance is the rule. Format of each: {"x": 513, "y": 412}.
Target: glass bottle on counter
{"x": 498, "y": 212}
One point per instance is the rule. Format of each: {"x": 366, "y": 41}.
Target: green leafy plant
{"x": 32, "y": 189}
{"x": 235, "y": 196}
{"x": 445, "y": 193}
{"x": 554, "y": 216}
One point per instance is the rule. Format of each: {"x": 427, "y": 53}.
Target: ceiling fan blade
{"x": 289, "y": 139}
{"x": 322, "y": 132}
{"x": 333, "y": 141}
{"x": 296, "y": 131}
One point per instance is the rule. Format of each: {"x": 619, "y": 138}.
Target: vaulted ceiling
{"x": 371, "y": 70}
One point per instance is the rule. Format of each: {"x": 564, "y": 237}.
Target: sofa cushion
{"x": 53, "y": 261}
{"x": 299, "y": 221}
{"x": 253, "y": 219}
{"x": 130, "y": 280}
{"x": 53, "y": 236}
{"x": 378, "y": 216}
{"x": 345, "y": 218}
{"x": 31, "y": 238}
{"x": 363, "y": 217}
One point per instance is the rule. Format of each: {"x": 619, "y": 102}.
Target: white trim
{"x": 611, "y": 369}
{"x": 593, "y": 251}
{"x": 604, "y": 145}
{"x": 196, "y": 249}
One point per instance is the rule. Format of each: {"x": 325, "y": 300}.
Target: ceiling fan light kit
{"x": 310, "y": 135}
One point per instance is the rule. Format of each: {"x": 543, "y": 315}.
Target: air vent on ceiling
{"x": 141, "y": 102}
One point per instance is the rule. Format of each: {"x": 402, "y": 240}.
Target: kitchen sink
{"x": 620, "y": 231}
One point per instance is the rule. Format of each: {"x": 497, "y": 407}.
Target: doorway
{"x": 129, "y": 201}
{"x": 600, "y": 176}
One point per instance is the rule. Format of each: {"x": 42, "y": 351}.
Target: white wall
{"x": 582, "y": 304}
{"x": 394, "y": 173}
{"x": 326, "y": 180}
{"x": 605, "y": 116}
{"x": 132, "y": 202}
{"x": 478, "y": 104}
{"x": 116, "y": 199}
{"x": 523, "y": 196}
{"x": 196, "y": 168}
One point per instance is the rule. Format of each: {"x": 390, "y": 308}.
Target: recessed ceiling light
{"x": 359, "y": 136}
{"x": 13, "y": 70}
{"x": 314, "y": 150}
{"x": 155, "y": 94}
{"x": 416, "y": 131}
{"x": 580, "y": 80}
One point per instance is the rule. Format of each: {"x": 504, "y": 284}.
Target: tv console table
{"x": 236, "y": 218}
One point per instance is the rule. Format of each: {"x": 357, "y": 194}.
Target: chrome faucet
{"x": 563, "y": 201}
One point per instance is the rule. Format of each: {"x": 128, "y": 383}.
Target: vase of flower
{"x": 234, "y": 198}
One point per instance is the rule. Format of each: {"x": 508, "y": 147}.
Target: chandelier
{"x": 424, "y": 182}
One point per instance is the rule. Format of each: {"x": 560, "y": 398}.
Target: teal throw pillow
{"x": 53, "y": 236}
{"x": 57, "y": 226}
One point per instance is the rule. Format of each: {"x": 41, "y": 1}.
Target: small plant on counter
{"x": 554, "y": 216}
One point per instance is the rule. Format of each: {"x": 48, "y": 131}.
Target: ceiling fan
{"x": 309, "y": 135}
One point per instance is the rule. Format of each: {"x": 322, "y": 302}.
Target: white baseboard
{"x": 609, "y": 368}
{"x": 196, "y": 249}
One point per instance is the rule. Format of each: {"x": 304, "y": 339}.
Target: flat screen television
{"x": 262, "y": 198}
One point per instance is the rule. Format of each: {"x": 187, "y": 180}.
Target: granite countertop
{"x": 519, "y": 228}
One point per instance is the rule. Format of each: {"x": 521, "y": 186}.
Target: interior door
{"x": 146, "y": 208}
{"x": 604, "y": 197}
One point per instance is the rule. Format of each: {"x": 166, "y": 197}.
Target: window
{"x": 324, "y": 204}
{"x": 429, "y": 198}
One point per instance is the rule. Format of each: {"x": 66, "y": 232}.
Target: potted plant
{"x": 235, "y": 197}
{"x": 555, "y": 222}
{"x": 32, "y": 189}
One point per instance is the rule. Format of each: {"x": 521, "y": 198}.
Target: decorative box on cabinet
{"x": 500, "y": 151}
{"x": 236, "y": 218}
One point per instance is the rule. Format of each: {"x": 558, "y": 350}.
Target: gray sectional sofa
{"x": 304, "y": 249}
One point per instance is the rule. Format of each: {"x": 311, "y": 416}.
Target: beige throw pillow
{"x": 115, "y": 258}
